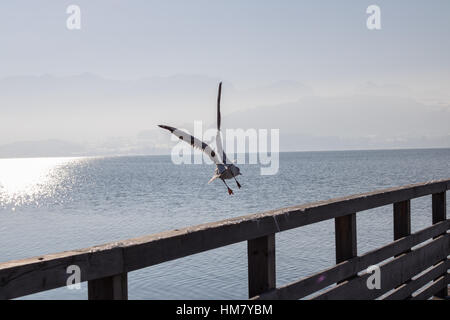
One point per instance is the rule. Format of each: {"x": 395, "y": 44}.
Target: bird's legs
{"x": 238, "y": 184}
{"x": 230, "y": 192}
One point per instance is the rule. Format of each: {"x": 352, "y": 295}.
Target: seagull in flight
{"x": 225, "y": 169}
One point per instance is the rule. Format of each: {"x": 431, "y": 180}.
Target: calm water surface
{"x": 56, "y": 204}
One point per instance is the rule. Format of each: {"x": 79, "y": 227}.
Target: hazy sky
{"x": 244, "y": 41}
{"x": 323, "y": 45}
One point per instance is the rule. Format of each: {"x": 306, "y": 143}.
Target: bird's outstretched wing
{"x": 218, "y": 135}
{"x": 219, "y": 96}
{"x": 194, "y": 142}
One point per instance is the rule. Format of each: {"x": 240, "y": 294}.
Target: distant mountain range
{"x": 90, "y": 115}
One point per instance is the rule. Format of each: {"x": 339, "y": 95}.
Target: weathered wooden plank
{"x": 19, "y": 278}
{"x": 439, "y": 210}
{"x": 405, "y": 290}
{"x": 393, "y": 273}
{"x": 320, "y": 280}
{"x": 433, "y": 288}
{"x": 261, "y": 265}
{"x": 110, "y": 288}
{"x": 28, "y": 276}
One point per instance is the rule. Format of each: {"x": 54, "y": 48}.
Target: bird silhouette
{"x": 225, "y": 169}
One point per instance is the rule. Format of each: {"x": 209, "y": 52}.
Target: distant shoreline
{"x": 168, "y": 154}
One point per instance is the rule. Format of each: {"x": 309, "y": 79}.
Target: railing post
{"x": 261, "y": 265}
{"x": 402, "y": 219}
{"x": 345, "y": 238}
{"x": 439, "y": 209}
{"x": 109, "y": 288}
{"x": 345, "y": 233}
{"x": 402, "y": 222}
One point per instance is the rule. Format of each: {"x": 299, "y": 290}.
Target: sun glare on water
{"x": 23, "y": 181}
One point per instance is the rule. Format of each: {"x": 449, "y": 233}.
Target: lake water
{"x": 57, "y": 204}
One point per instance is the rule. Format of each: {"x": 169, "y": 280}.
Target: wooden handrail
{"x": 346, "y": 269}
{"x": 106, "y": 266}
{"x": 393, "y": 273}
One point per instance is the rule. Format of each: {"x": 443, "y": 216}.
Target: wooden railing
{"x": 412, "y": 262}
